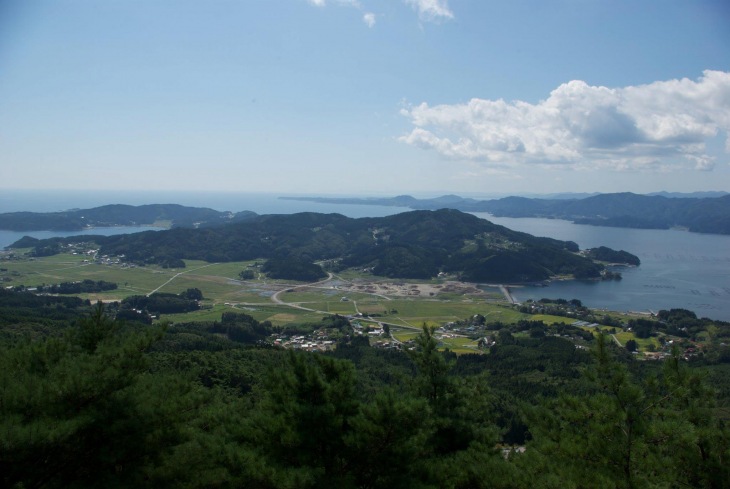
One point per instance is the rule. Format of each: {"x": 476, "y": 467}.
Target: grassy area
{"x": 221, "y": 287}
{"x": 548, "y": 319}
{"x": 644, "y": 344}
{"x": 223, "y": 291}
{"x": 459, "y": 344}
{"x": 278, "y": 315}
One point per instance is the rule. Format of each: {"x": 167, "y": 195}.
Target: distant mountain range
{"x": 417, "y": 244}
{"x": 171, "y": 215}
{"x": 627, "y": 210}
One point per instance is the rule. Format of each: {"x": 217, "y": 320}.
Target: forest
{"x": 89, "y": 400}
{"x": 418, "y": 244}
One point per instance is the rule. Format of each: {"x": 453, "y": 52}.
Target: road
{"x": 275, "y": 296}
{"x": 177, "y": 275}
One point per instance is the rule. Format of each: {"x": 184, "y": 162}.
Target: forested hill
{"x": 117, "y": 215}
{"x": 702, "y": 215}
{"x": 418, "y": 244}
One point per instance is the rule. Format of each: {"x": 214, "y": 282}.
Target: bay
{"x": 678, "y": 269}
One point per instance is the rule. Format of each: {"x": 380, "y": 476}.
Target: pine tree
{"x": 78, "y": 411}
{"x": 627, "y": 433}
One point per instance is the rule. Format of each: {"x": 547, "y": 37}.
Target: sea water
{"x": 678, "y": 269}
{"x": 261, "y": 203}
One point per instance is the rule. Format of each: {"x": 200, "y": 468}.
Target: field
{"x": 406, "y": 307}
{"x": 407, "y": 304}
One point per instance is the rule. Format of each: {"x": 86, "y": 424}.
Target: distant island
{"x": 625, "y": 210}
{"x": 417, "y": 245}
{"x": 163, "y": 215}
{"x": 703, "y": 214}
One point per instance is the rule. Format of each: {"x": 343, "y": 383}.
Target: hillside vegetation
{"x": 90, "y": 401}
{"x": 419, "y": 244}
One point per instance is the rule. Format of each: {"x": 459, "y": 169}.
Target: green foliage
{"x": 85, "y": 286}
{"x": 160, "y": 303}
{"x": 293, "y": 268}
{"x": 193, "y": 294}
{"x": 24, "y": 315}
{"x": 305, "y": 420}
{"x": 247, "y": 275}
{"x": 603, "y": 253}
{"x": 627, "y": 433}
{"x": 78, "y": 411}
{"x": 109, "y": 404}
{"x": 416, "y": 244}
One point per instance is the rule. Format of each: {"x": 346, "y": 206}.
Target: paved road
{"x": 275, "y": 296}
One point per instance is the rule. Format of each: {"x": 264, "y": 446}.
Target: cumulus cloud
{"x": 658, "y": 126}
{"x": 431, "y": 9}
{"x": 318, "y": 3}
{"x": 369, "y": 19}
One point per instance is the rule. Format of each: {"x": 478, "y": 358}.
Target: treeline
{"x": 161, "y": 303}
{"x": 108, "y": 404}
{"x": 418, "y": 244}
{"x": 293, "y": 268}
{"x": 112, "y": 404}
{"x": 602, "y": 253}
{"x": 82, "y": 287}
{"x": 27, "y": 315}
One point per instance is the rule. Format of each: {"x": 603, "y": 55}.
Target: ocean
{"x": 261, "y": 203}
{"x": 60, "y": 200}
{"x": 678, "y": 269}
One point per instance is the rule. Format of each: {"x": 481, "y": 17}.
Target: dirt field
{"x": 404, "y": 289}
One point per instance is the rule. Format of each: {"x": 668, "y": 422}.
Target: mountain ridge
{"x": 418, "y": 244}
{"x": 624, "y": 209}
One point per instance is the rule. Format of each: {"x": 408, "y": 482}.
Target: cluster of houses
{"x": 319, "y": 341}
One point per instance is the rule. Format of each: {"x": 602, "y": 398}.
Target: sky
{"x": 366, "y": 97}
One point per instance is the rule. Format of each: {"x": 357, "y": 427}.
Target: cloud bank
{"x": 659, "y": 126}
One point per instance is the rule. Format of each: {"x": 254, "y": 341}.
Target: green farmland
{"x": 223, "y": 290}
{"x": 407, "y": 307}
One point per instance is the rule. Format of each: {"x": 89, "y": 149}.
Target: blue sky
{"x": 365, "y": 97}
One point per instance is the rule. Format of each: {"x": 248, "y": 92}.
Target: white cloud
{"x": 346, "y": 3}
{"x": 428, "y": 10}
{"x": 431, "y": 9}
{"x": 369, "y": 19}
{"x": 659, "y": 126}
